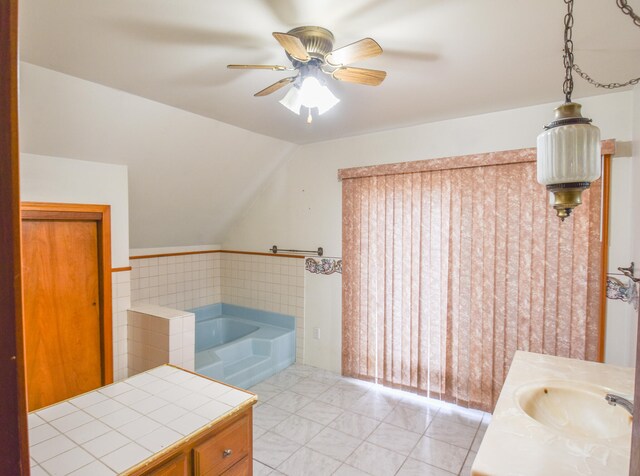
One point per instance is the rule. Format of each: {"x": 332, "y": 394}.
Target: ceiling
{"x": 444, "y": 59}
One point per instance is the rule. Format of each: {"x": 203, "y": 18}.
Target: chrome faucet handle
{"x": 614, "y": 400}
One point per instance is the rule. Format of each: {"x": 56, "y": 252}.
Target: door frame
{"x": 14, "y": 443}
{"x": 604, "y": 251}
{"x": 101, "y": 214}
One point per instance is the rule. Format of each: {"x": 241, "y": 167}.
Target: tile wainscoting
{"x": 121, "y": 301}
{"x": 180, "y": 281}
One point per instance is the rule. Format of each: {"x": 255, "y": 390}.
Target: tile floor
{"x": 312, "y": 422}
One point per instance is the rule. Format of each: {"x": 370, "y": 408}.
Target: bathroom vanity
{"x": 166, "y": 421}
{"x": 552, "y": 418}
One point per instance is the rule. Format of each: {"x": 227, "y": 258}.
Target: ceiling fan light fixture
{"x": 310, "y": 50}
{"x": 328, "y": 102}
{"x": 314, "y": 94}
{"x": 292, "y": 100}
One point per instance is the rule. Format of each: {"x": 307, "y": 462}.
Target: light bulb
{"x": 311, "y": 92}
{"x": 314, "y": 94}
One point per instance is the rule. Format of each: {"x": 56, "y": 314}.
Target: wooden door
{"x": 63, "y": 306}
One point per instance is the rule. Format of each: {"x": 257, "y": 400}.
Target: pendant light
{"x": 569, "y": 148}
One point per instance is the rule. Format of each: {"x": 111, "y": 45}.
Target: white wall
{"x": 635, "y": 182}
{"x": 301, "y": 205}
{"x": 635, "y": 177}
{"x": 323, "y": 310}
{"x": 620, "y": 345}
{"x": 188, "y": 175}
{"x": 55, "y": 179}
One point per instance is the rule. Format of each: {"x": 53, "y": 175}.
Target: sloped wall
{"x": 188, "y": 175}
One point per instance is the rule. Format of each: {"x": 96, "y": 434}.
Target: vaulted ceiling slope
{"x": 189, "y": 176}
{"x": 444, "y": 59}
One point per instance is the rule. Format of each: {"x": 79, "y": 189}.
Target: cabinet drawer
{"x": 224, "y": 449}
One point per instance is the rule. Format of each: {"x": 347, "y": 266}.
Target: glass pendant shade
{"x": 569, "y": 153}
{"x": 568, "y": 157}
{"x": 292, "y": 100}
{"x": 315, "y": 94}
{"x": 310, "y": 94}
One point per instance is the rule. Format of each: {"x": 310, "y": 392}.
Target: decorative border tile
{"x": 616, "y": 289}
{"x": 323, "y": 265}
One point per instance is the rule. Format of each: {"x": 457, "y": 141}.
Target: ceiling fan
{"x": 310, "y": 50}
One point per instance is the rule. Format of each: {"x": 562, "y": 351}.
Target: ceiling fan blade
{"x": 293, "y": 46}
{"x": 272, "y": 67}
{"x": 362, "y": 49}
{"x": 370, "y": 77}
{"x": 275, "y": 86}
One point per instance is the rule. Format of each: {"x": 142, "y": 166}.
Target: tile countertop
{"x": 117, "y": 427}
{"x": 516, "y": 444}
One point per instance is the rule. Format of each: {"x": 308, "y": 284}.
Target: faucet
{"x": 614, "y": 400}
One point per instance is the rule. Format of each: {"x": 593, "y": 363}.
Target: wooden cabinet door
{"x": 61, "y": 291}
{"x": 241, "y": 468}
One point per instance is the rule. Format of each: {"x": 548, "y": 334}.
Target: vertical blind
{"x": 446, "y": 273}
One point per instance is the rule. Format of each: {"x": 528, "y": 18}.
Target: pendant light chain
{"x": 595, "y": 83}
{"x": 627, "y": 10}
{"x": 567, "y": 86}
{"x": 568, "y": 150}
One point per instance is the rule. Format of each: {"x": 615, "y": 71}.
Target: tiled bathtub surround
{"x": 121, "y": 301}
{"x": 180, "y": 282}
{"x": 266, "y": 283}
{"x": 160, "y": 335}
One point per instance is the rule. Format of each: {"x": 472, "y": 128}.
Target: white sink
{"x": 575, "y": 409}
{"x": 569, "y": 430}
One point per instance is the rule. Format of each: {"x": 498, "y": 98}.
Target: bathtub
{"x": 220, "y": 330}
{"x": 242, "y": 346}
